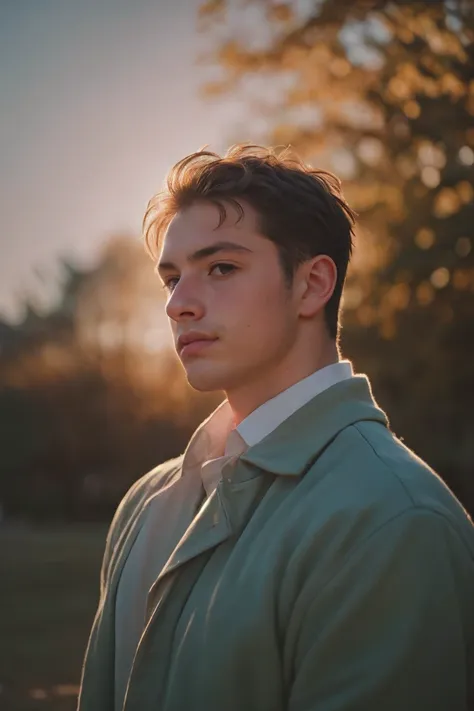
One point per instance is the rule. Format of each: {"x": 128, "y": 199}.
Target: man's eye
{"x": 170, "y": 284}
{"x": 223, "y": 268}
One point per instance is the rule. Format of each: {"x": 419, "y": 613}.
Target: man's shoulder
{"x": 373, "y": 476}
{"x": 144, "y": 488}
{"x": 393, "y": 466}
{"x": 152, "y": 482}
{"x": 367, "y": 486}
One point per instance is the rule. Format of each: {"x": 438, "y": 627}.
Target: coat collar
{"x": 291, "y": 447}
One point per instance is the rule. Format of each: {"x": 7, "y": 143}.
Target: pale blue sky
{"x": 98, "y": 98}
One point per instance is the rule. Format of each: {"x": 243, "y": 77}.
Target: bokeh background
{"x": 99, "y": 99}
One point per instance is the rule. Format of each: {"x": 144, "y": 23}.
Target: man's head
{"x": 278, "y": 288}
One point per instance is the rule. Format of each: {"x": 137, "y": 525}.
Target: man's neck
{"x": 248, "y": 397}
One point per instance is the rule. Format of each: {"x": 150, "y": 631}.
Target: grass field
{"x": 48, "y": 594}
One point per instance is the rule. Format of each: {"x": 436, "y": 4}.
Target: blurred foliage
{"x": 383, "y": 94}
{"x": 91, "y": 395}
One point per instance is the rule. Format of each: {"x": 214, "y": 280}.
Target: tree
{"x": 91, "y": 396}
{"x": 383, "y": 94}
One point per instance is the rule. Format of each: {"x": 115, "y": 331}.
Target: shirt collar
{"x": 210, "y": 439}
{"x": 266, "y": 418}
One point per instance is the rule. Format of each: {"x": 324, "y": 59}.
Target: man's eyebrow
{"x": 203, "y": 253}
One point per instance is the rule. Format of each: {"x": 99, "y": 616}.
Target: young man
{"x": 297, "y": 557}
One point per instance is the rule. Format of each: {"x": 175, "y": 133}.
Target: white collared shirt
{"x": 262, "y": 421}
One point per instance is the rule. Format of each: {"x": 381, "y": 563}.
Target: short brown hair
{"x": 300, "y": 209}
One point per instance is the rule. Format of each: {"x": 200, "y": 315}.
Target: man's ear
{"x": 315, "y": 282}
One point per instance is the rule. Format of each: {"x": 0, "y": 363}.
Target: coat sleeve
{"x": 390, "y": 630}
{"x": 97, "y": 679}
{"x": 122, "y": 514}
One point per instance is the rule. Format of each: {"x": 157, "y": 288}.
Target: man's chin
{"x": 204, "y": 378}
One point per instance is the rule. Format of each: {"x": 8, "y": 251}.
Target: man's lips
{"x": 193, "y": 343}
{"x": 196, "y": 347}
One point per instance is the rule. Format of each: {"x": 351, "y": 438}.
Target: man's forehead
{"x": 201, "y": 224}
{"x": 215, "y": 215}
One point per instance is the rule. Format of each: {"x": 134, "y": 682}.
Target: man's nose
{"x": 184, "y": 302}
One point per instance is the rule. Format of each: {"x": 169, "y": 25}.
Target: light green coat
{"x": 333, "y": 571}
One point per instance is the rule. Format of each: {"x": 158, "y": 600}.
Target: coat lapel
{"x": 293, "y": 446}
{"x": 222, "y": 515}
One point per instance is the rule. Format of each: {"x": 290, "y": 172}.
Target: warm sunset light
{"x": 100, "y": 100}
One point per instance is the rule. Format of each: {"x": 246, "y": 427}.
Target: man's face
{"x": 227, "y": 294}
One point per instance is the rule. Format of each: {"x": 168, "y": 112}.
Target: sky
{"x": 98, "y": 99}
